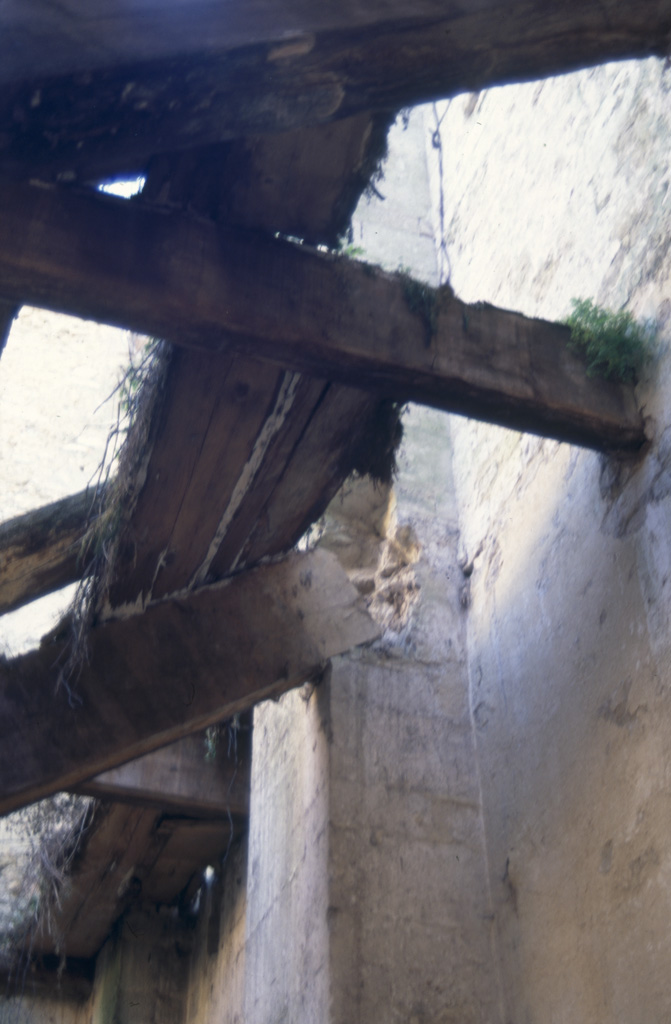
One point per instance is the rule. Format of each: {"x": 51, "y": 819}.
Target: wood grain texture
{"x": 224, "y": 289}
{"x": 185, "y": 663}
{"x": 181, "y": 779}
{"x": 96, "y": 87}
{"x": 40, "y": 551}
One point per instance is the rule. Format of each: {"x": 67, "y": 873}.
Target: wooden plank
{"x": 48, "y": 977}
{"x": 117, "y": 83}
{"x": 214, "y": 408}
{"x": 104, "y": 880}
{"x": 184, "y": 664}
{"x": 8, "y": 313}
{"x": 204, "y": 286}
{"x": 191, "y": 473}
{"x": 278, "y": 512}
{"x": 40, "y": 551}
{"x": 303, "y": 183}
{"x": 181, "y": 779}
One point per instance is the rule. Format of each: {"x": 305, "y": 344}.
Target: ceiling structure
{"x": 255, "y": 123}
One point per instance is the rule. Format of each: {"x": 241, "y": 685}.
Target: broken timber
{"x": 185, "y": 663}
{"x": 118, "y": 83}
{"x": 205, "y": 286}
{"x": 40, "y": 551}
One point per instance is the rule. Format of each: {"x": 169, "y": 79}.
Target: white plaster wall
{"x": 560, "y": 190}
{"x": 287, "y": 968}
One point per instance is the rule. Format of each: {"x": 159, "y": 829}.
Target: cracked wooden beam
{"x": 201, "y": 285}
{"x": 185, "y": 663}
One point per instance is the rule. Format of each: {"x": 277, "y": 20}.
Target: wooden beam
{"x": 40, "y": 551}
{"x": 184, "y": 664}
{"x": 8, "y": 312}
{"x": 303, "y": 183}
{"x": 91, "y": 85}
{"x": 191, "y": 474}
{"x": 204, "y": 286}
{"x": 183, "y": 778}
{"x": 49, "y": 977}
{"x": 129, "y": 854}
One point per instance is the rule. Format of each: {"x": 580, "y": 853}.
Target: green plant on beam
{"x": 613, "y": 345}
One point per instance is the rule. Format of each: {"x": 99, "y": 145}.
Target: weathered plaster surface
{"x": 568, "y": 626}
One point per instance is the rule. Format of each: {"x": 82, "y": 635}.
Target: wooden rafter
{"x": 183, "y": 778}
{"x": 224, "y": 289}
{"x": 40, "y": 551}
{"x": 129, "y": 853}
{"x": 185, "y": 663}
{"x": 8, "y": 311}
{"x": 118, "y": 83}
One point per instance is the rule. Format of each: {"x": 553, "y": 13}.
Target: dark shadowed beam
{"x": 305, "y": 183}
{"x": 50, "y": 977}
{"x": 8, "y": 312}
{"x": 202, "y": 286}
{"x": 93, "y": 87}
{"x": 184, "y": 664}
{"x": 126, "y": 854}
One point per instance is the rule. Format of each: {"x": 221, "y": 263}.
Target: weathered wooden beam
{"x": 49, "y": 977}
{"x": 8, "y": 312}
{"x": 183, "y": 778}
{"x": 98, "y": 85}
{"x": 40, "y": 551}
{"x": 126, "y": 854}
{"x": 303, "y": 183}
{"x": 184, "y": 664}
{"x": 204, "y": 286}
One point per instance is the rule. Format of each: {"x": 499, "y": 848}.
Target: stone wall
{"x": 569, "y": 646}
